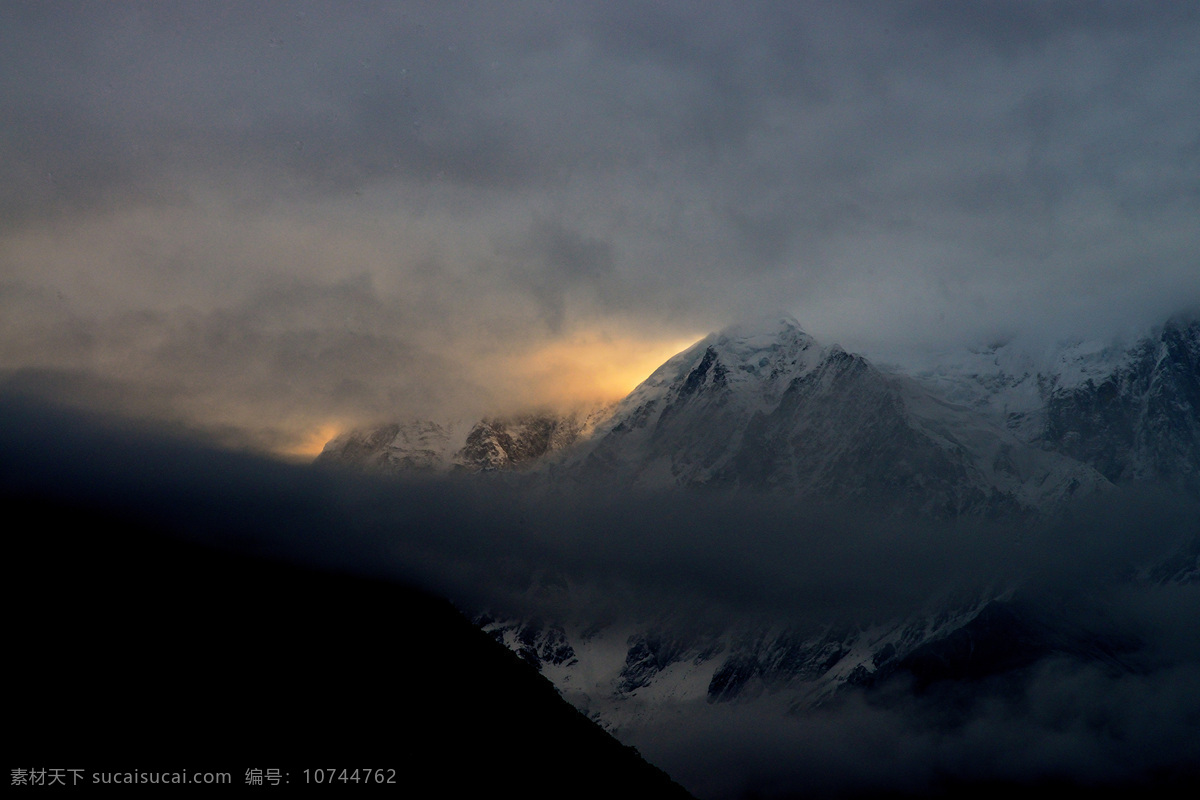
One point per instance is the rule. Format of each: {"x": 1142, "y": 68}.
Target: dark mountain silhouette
{"x": 137, "y": 650}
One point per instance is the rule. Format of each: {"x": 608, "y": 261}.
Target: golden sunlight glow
{"x": 309, "y": 445}
{"x": 592, "y": 367}
{"x": 574, "y": 372}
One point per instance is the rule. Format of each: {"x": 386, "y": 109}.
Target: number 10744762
{"x": 357, "y": 775}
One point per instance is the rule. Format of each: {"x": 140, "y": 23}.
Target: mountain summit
{"x": 681, "y": 424}
{"x": 767, "y": 412}
{"x": 765, "y": 407}
{"x": 993, "y": 432}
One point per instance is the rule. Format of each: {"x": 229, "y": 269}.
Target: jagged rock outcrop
{"x": 766, "y": 408}
{"x": 489, "y": 444}
{"x": 1141, "y": 421}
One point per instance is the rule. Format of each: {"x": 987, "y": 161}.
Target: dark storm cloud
{"x": 280, "y": 349}
{"x": 882, "y": 170}
{"x": 496, "y": 97}
{"x": 756, "y": 555}
{"x": 115, "y": 98}
{"x": 552, "y": 260}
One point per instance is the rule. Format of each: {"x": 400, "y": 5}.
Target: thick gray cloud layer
{"x": 405, "y": 193}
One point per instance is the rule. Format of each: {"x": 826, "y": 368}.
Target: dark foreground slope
{"x": 133, "y": 650}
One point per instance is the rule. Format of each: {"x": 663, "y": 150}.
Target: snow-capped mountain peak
{"x": 683, "y": 423}
{"x": 745, "y": 359}
{"x": 764, "y": 406}
{"x": 1004, "y": 429}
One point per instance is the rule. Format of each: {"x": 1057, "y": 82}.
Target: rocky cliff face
{"x": 766, "y": 408}
{"x": 518, "y": 441}
{"x": 1141, "y": 421}
{"x": 418, "y": 446}
{"x": 428, "y": 447}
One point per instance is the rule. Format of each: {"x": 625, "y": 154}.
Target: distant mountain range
{"x": 244, "y": 660}
{"x": 763, "y": 409}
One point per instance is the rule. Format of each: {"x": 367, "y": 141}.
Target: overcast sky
{"x": 277, "y": 219}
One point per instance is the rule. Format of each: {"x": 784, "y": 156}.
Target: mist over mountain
{"x": 766, "y": 407}
{"x": 795, "y": 529}
{"x": 930, "y": 531}
{"x": 775, "y": 566}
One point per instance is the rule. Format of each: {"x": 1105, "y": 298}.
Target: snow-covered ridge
{"x": 1129, "y": 409}
{"x": 756, "y": 360}
{"x": 998, "y": 431}
{"x": 483, "y": 445}
{"x": 765, "y": 406}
